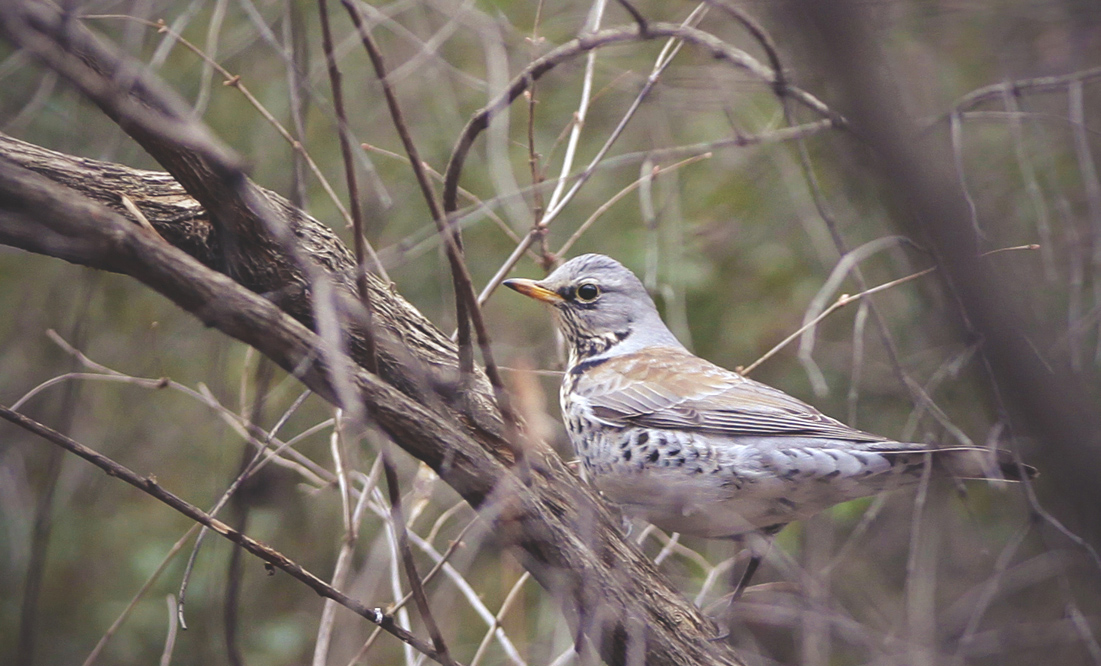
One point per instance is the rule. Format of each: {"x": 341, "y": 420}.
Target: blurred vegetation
{"x": 734, "y": 252}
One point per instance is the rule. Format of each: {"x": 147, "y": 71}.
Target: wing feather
{"x": 674, "y": 390}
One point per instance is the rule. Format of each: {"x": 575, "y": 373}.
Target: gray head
{"x": 599, "y": 304}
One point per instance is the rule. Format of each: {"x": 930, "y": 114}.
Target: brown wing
{"x": 672, "y": 389}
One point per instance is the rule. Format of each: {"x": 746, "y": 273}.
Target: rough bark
{"x": 269, "y": 263}
{"x": 71, "y": 208}
{"x": 415, "y": 356}
{"x": 230, "y": 224}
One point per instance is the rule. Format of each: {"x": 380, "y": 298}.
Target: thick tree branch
{"x": 247, "y": 232}
{"x": 559, "y": 529}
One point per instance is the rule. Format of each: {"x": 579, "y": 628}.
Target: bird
{"x": 694, "y": 448}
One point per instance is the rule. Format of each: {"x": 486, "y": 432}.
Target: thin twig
{"x": 170, "y": 638}
{"x": 921, "y": 570}
{"x": 990, "y": 588}
{"x": 1042, "y": 84}
{"x": 139, "y": 595}
{"x": 849, "y": 263}
{"x": 603, "y": 208}
{"x": 313, "y": 473}
{"x": 206, "y": 76}
{"x": 1032, "y": 187}
{"x": 537, "y": 177}
{"x": 465, "y": 216}
{"x": 842, "y": 301}
{"x": 757, "y": 31}
{"x": 249, "y": 468}
{"x": 511, "y": 597}
{"x": 452, "y": 241}
{"x": 466, "y": 194}
{"x": 370, "y": 362}
{"x": 577, "y": 123}
{"x": 955, "y": 126}
{"x": 1092, "y": 185}
{"x": 636, "y": 15}
{"x": 351, "y": 518}
{"x": 717, "y": 48}
{"x": 149, "y": 486}
{"x": 846, "y": 299}
{"x": 295, "y": 51}
{"x": 860, "y": 322}
{"x": 466, "y": 301}
{"x": 558, "y": 203}
{"x": 415, "y": 584}
{"x": 949, "y": 368}
{"x": 439, "y": 566}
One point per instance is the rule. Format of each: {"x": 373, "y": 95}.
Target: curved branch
{"x": 560, "y": 531}
{"x": 467, "y": 308}
{"x": 1041, "y": 84}
{"x": 238, "y": 228}
{"x": 717, "y": 48}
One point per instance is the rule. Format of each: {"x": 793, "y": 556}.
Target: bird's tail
{"x": 975, "y": 463}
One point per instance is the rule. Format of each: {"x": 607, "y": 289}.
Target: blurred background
{"x": 733, "y": 220}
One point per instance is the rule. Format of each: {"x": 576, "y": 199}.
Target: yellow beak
{"x": 534, "y": 290}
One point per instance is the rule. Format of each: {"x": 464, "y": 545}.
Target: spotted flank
{"x": 698, "y": 449}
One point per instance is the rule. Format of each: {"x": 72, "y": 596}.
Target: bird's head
{"x": 599, "y": 305}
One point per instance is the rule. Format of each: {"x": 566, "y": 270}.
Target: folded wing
{"x": 678, "y": 391}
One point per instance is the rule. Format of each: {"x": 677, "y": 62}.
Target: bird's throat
{"x": 586, "y": 348}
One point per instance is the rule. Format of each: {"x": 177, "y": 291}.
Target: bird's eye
{"x": 588, "y": 292}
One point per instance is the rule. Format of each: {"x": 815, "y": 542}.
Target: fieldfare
{"x": 698, "y": 449}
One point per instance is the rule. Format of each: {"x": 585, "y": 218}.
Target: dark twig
{"x": 353, "y": 186}
{"x": 466, "y": 299}
{"x": 234, "y": 573}
{"x": 533, "y": 156}
{"x": 149, "y": 486}
{"x": 560, "y": 530}
{"x": 240, "y": 509}
{"x": 298, "y": 94}
{"x": 416, "y": 586}
{"x": 917, "y": 393}
{"x": 44, "y": 509}
{"x": 451, "y": 237}
{"x": 643, "y": 26}
{"x": 717, "y": 48}
{"x": 262, "y": 441}
{"x": 396, "y": 512}
{"x": 759, "y": 33}
{"x": 539, "y": 205}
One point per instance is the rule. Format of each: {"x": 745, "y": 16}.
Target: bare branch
{"x": 149, "y": 486}
{"x": 542, "y": 518}
{"x": 718, "y": 49}
{"x": 1053, "y": 403}
{"x": 353, "y": 185}
{"x": 466, "y": 299}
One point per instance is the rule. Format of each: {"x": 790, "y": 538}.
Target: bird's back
{"x": 695, "y": 448}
